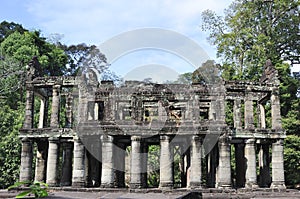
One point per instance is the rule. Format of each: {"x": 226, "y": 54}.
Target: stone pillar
{"x": 196, "y": 157}
{"x": 52, "y": 162}
{"x": 28, "y": 122}
{"x": 107, "y": 179}
{"x": 220, "y": 108}
{"x": 264, "y": 165}
{"x": 69, "y": 112}
{"x": 82, "y": 103}
{"x": 120, "y": 151}
{"x": 78, "y": 177}
{"x": 240, "y": 165}
{"x": 277, "y": 165}
{"x": 250, "y": 158}
{"x": 212, "y": 110}
{"x": 224, "y": 168}
{"x": 237, "y": 115}
{"x": 275, "y": 110}
{"x": 249, "y": 121}
{"x": 144, "y": 164}
{"x": 136, "y": 163}
{"x": 41, "y": 161}
{"x": 26, "y": 160}
{"x": 262, "y": 116}
{"x": 54, "y": 122}
{"x": 166, "y": 178}
{"x": 42, "y": 113}
{"x": 66, "y": 178}
{"x": 96, "y": 111}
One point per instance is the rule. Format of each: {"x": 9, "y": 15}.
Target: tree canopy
{"x": 23, "y": 46}
{"x": 7, "y": 28}
{"x": 252, "y": 32}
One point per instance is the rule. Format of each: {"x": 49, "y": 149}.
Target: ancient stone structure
{"x": 84, "y": 128}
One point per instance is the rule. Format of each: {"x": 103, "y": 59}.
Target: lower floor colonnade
{"x": 124, "y": 161}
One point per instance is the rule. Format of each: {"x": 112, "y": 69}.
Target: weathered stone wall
{"x": 101, "y": 121}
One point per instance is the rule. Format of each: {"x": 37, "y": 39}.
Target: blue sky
{"x": 96, "y": 21}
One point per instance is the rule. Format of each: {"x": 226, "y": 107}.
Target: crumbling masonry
{"x": 82, "y": 141}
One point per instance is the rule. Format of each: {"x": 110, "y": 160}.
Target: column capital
{"x": 165, "y": 138}
{"x": 278, "y": 142}
{"x": 56, "y": 86}
{"x": 250, "y": 141}
{"x": 107, "y": 138}
{"x": 275, "y": 91}
{"x": 136, "y": 138}
{"x": 26, "y": 140}
{"x": 67, "y": 145}
{"x": 224, "y": 139}
{"x": 53, "y": 139}
{"x": 197, "y": 138}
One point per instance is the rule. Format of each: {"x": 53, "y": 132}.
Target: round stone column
{"x": 107, "y": 178}
{"x": 28, "y": 122}
{"x": 136, "y": 163}
{"x": 41, "y": 160}
{"x": 52, "y": 162}
{"x": 250, "y": 158}
{"x": 26, "y": 160}
{"x": 277, "y": 165}
{"x": 54, "y": 122}
{"x": 224, "y": 168}
{"x": 78, "y": 178}
{"x": 166, "y": 177}
{"x": 196, "y": 157}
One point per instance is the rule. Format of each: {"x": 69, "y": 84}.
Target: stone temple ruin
{"x": 80, "y": 134}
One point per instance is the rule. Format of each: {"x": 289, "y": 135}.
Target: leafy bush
{"x": 291, "y": 160}
{"x": 38, "y": 189}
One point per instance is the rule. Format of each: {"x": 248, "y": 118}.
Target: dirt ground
{"x": 183, "y": 194}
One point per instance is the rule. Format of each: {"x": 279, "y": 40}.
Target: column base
{"x": 107, "y": 185}
{"x": 52, "y": 184}
{"x": 135, "y": 185}
{"x": 251, "y": 185}
{"x": 278, "y": 185}
{"x": 166, "y": 185}
{"x": 223, "y": 185}
{"x": 78, "y": 184}
{"x": 65, "y": 184}
{"x": 195, "y": 185}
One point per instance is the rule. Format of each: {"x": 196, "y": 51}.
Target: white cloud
{"x": 96, "y": 21}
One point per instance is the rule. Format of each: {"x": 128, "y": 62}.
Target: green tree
{"x": 291, "y": 159}
{"x": 12, "y": 79}
{"x": 185, "y": 78}
{"x": 207, "y": 73}
{"x": 288, "y": 89}
{"x": 11, "y": 121}
{"x": 7, "y": 28}
{"x": 22, "y": 47}
{"x": 82, "y": 56}
{"x": 153, "y": 165}
{"x": 16, "y": 50}
{"x": 252, "y": 32}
